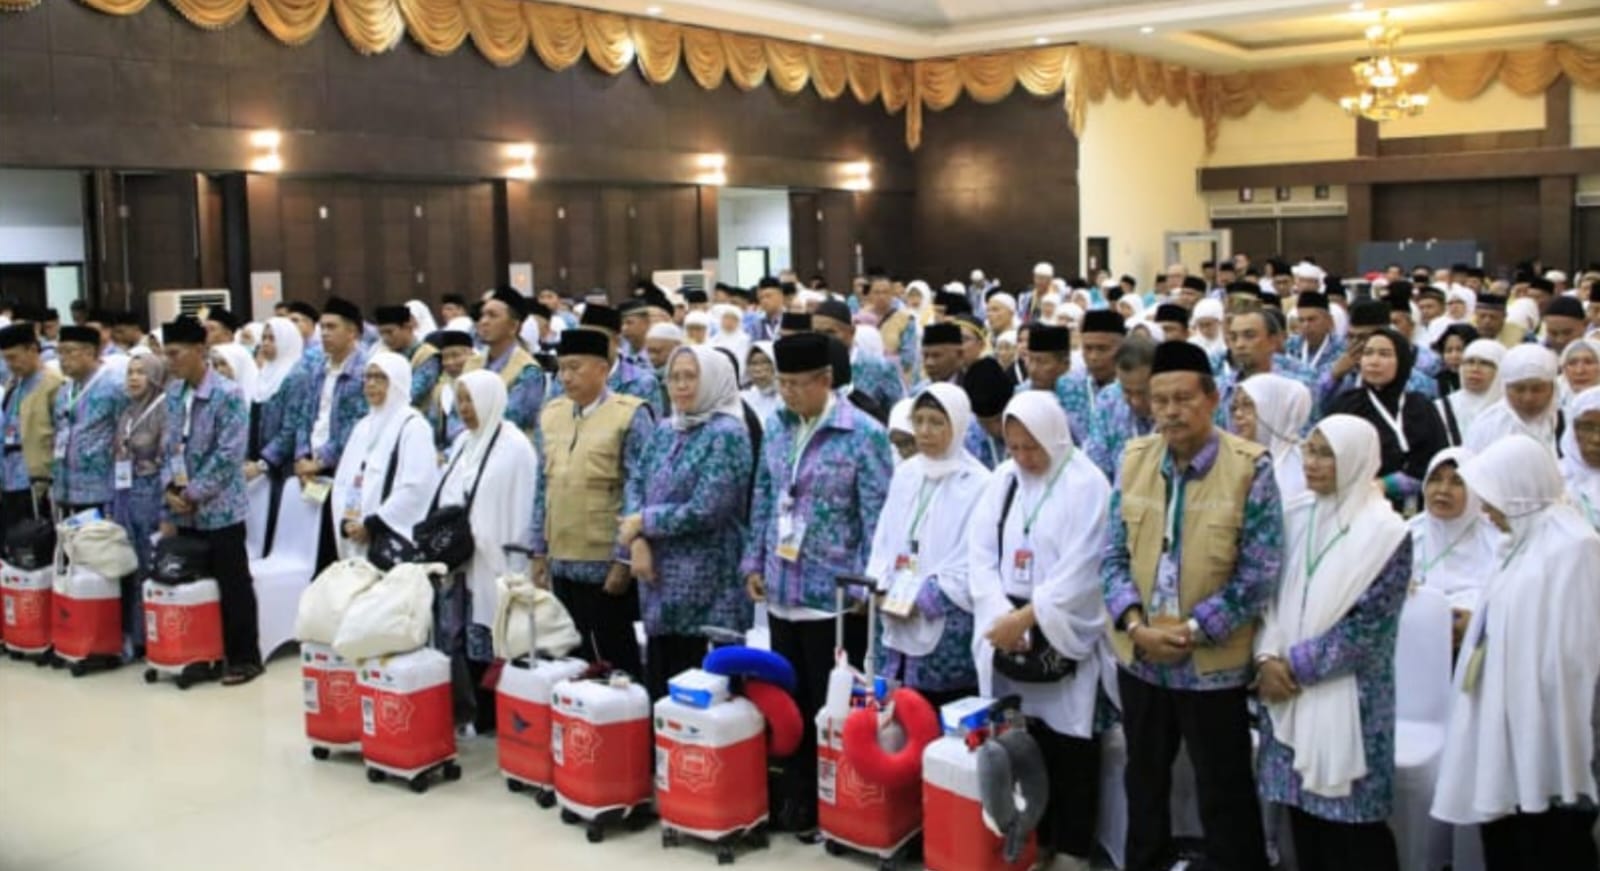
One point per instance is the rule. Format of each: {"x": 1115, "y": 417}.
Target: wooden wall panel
{"x": 212, "y": 249}
{"x": 162, "y": 246}
{"x": 838, "y": 238}
{"x": 1320, "y": 238}
{"x": 1502, "y": 215}
{"x": 805, "y": 233}
{"x": 1257, "y": 237}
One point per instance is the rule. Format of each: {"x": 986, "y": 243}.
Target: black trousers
{"x": 1215, "y": 727}
{"x": 808, "y": 645}
{"x": 327, "y": 538}
{"x": 604, "y": 622}
{"x": 1558, "y": 838}
{"x": 667, "y": 656}
{"x": 1073, "y": 765}
{"x": 230, "y": 566}
{"x": 1324, "y": 845}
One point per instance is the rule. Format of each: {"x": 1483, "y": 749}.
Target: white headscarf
{"x": 1583, "y": 480}
{"x": 900, "y": 417}
{"x": 1526, "y": 362}
{"x": 717, "y": 391}
{"x": 1335, "y": 546}
{"x": 290, "y": 347}
{"x": 424, "y": 318}
{"x": 1208, "y": 309}
{"x": 1452, "y": 555}
{"x": 735, "y": 340}
{"x": 373, "y": 446}
{"x": 869, "y": 341}
{"x": 462, "y": 324}
{"x": 1592, "y": 345}
{"x": 1041, "y": 415}
{"x": 1468, "y": 405}
{"x": 1524, "y": 313}
{"x": 243, "y": 365}
{"x": 1283, "y": 407}
{"x": 386, "y": 418}
{"x": 958, "y": 408}
{"x": 665, "y": 330}
{"x": 488, "y": 392}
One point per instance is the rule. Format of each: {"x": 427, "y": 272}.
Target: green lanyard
{"x": 924, "y": 496}
{"x": 807, "y": 432}
{"x": 1428, "y": 564}
{"x": 1027, "y": 524}
{"x": 1590, "y": 513}
{"x": 1313, "y": 561}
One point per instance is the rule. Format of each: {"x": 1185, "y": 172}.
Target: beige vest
{"x": 38, "y": 427}
{"x": 519, "y": 361}
{"x": 583, "y": 476}
{"x": 1213, "y": 514}
{"x": 448, "y": 382}
{"x": 893, "y": 329}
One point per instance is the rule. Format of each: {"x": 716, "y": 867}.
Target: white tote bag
{"x": 324, "y": 603}
{"x": 558, "y": 636}
{"x": 395, "y": 615}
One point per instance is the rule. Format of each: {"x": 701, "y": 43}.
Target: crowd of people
{"x": 1192, "y": 512}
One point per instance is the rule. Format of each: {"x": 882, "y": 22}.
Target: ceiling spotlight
{"x": 1552, "y": 2}
{"x": 266, "y": 158}
{"x": 1040, "y": 40}
{"x": 1357, "y": 6}
{"x": 1147, "y": 29}
{"x": 816, "y": 37}
{"x": 652, "y": 10}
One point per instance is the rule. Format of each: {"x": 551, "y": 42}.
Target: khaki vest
{"x": 37, "y": 414}
{"x": 583, "y": 476}
{"x": 423, "y": 354}
{"x": 519, "y": 361}
{"x": 1212, "y": 517}
{"x": 893, "y": 329}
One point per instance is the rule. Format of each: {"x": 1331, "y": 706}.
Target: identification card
{"x": 1022, "y": 565}
{"x": 317, "y": 491}
{"x": 61, "y": 446}
{"x": 904, "y": 585}
{"x": 13, "y": 435}
{"x": 122, "y": 476}
{"x": 1474, "y": 672}
{"x": 791, "y": 532}
{"x": 179, "y": 469}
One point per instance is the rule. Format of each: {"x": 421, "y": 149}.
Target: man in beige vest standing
{"x": 26, "y": 415}
{"x": 589, "y": 440}
{"x": 1194, "y": 547}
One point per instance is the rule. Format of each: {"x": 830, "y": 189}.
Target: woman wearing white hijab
{"x": 234, "y": 362}
{"x": 901, "y": 433}
{"x": 1518, "y": 748}
{"x": 919, "y": 552}
{"x": 686, "y": 531}
{"x": 1580, "y": 454}
{"x": 729, "y": 331}
{"x": 1529, "y": 406}
{"x": 282, "y": 398}
{"x": 1271, "y": 410}
{"x": 762, "y": 394}
{"x": 1480, "y": 388}
{"x": 494, "y": 465}
{"x": 1451, "y": 540}
{"x": 1580, "y": 368}
{"x": 697, "y": 328}
{"x": 393, "y": 434}
{"x": 1205, "y": 327}
{"x": 869, "y": 341}
{"x": 424, "y": 318}
{"x": 1325, "y": 656}
{"x": 1036, "y": 540}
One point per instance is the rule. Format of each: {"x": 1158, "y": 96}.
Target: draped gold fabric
{"x": 503, "y": 30}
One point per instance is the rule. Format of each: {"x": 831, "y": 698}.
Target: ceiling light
{"x": 1357, "y": 6}
{"x": 1147, "y": 29}
{"x": 266, "y": 158}
{"x": 266, "y": 138}
{"x": 1040, "y": 40}
{"x": 267, "y": 163}
{"x": 522, "y": 153}
{"x": 1383, "y": 95}
{"x": 816, "y": 37}
{"x": 652, "y": 10}
{"x": 1552, "y": 2}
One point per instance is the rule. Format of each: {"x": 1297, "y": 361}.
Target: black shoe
{"x": 241, "y": 674}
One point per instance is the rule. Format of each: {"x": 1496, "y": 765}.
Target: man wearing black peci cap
{"x": 795, "y": 322}
{"x": 307, "y": 319}
{"x": 765, "y": 322}
{"x": 49, "y": 333}
{"x": 1563, "y": 323}
{"x": 820, "y": 484}
{"x": 499, "y": 329}
{"x": 1048, "y": 355}
{"x": 941, "y": 355}
{"x": 989, "y": 388}
{"x": 1122, "y": 411}
{"x": 397, "y": 329}
{"x": 28, "y": 417}
{"x": 205, "y": 442}
{"x": 456, "y": 358}
{"x": 220, "y": 326}
{"x": 873, "y": 376}
{"x": 1173, "y": 319}
{"x": 86, "y": 410}
{"x": 335, "y": 405}
{"x": 1078, "y": 390}
{"x": 1185, "y": 600}
{"x": 624, "y": 377}
{"x": 589, "y": 440}
{"x": 1316, "y": 346}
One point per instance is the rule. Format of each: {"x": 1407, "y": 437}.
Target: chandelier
{"x": 1383, "y": 94}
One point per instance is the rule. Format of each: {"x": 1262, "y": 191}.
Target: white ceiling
{"x": 1207, "y": 34}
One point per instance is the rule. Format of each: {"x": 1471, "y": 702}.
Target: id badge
{"x": 179, "y": 469}
{"x": 317, "y": 491}
{"x": 904, "y": 586}
{"x": 1022, "y": 565}
{"x": 122, "y": 476}
{"x": 61, "y": 446}
{"x": 1474, "y": 672}
{"x": 13, "y": 435}
{"x": 352, "y": 502}
{"x": 791, "y": 532}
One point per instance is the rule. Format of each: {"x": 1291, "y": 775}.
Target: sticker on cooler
{"x": 308, "y": 688}
{"x": 558, "y": 743}
{"x": 369, "y": 723}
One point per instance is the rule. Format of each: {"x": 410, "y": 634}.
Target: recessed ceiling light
{"x": 652, "y": 10}
{"x": 1357, "y": 6}
{"x": 1040, "y": 40}
{"x": 816, "y": 37}
{"x": 1552, "y": 2}
{"x": 1147, "y": 29}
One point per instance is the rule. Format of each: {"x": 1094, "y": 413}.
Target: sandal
{"x": 241, "y": 674}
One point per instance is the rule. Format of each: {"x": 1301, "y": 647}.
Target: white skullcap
{"x": 697, "y": 319}
{"x": 1308, "y": 271}
{"x": 920, "y": 286}
{"x": 1529, "y": 363}
{"x": 1051, "y": 297}
{"x": 665, "y": 330}
{"x": 955, "y": 287}
{"x": 977, "y": 275}
{"x": 1006, "y": 300}
{"x": 1207, "y": 308}
{"x": 1556, "y": 275}
{"x": 1043, "y": 268}
{"x": 1109, "y": 284}
{"x": 1009, "y": 337}
{"x": 1071, "y": 311}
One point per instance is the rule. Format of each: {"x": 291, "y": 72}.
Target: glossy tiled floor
{"x": 104, "y": 773}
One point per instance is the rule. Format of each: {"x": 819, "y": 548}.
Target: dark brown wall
{"x": 997, "y": 189}
{"x": 580, "y": 237}
{"x": 1502, "y": 215}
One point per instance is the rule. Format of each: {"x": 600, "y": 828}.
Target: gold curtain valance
{"x": 504, "y": 30}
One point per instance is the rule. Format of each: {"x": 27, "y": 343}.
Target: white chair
{"x": 1422, "y": 710}
{"x": 282, "y": 577}
{"x": 258, "y": 513}
{"x": 1111, "y": 821}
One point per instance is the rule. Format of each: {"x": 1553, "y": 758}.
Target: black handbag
{"x": 445, "y": 535}
{"x": 181, "y": 559}
{"x": 385, "y": 547}
{"x": 30, "y": 543}
{"x": 1040, "y": 663}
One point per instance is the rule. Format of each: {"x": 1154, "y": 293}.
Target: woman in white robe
{"x": 1480, "y": 388}
{"x": 1271, "y": 411}
{"x": 1451, "y": 541}
{"x": 392, "y": 433}
{"x": 1519, "y": 744}
{"x": 762, "y": 376}
{"x": 729, "y": 331}
{"x": 919, "y": 552}
{"x": 1580, "y": 455}
{"x": 1580, "y": 369}
{"x": 1325, "y": 656}
{"x": 1530, "y": 406}
{"x": 493, "y": 460}
{"x": 1035, "y": 572}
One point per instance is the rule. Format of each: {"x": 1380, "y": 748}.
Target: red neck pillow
{"x": 877, "y": 765}
{"x": 784, "y": 726}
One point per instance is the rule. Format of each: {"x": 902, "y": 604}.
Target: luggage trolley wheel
{"x": 43, "y": 660}
{"x": 78, "y": 669}
{"x": 320, "y": 754}
{"x": 450, "y": 771}
{"x": 725, "y": 854}
{"x": 51, "y": 660}
{"x": 833, "y": 848}
{"x": 515, "y": 785}
{"x": 569, "y": 817}
{"x": 151, "y": 675}
{"x": 888, "y": 864}
{"x": 757, "y": 838}
{"x": 669, "y": 838}
{"x": 547, "y": 798}
{"x": 594, "y": 833}
{"x": 419, "y": 784}
{"x": 376, "y": 776}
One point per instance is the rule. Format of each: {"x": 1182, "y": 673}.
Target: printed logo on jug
{"x": 858, "y": 791}
{"x": 394, "y": 714}
{"x": 696, "y": 768}
{"x": 583, "y": 743}
{"x": 341, "y": 686}
{"x": 175, "y": 622}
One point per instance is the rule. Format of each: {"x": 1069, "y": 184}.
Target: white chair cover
{"x": 1422, "y": 708}
{"x": 257, "y": 511}
{"x": 283, "y": 576}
